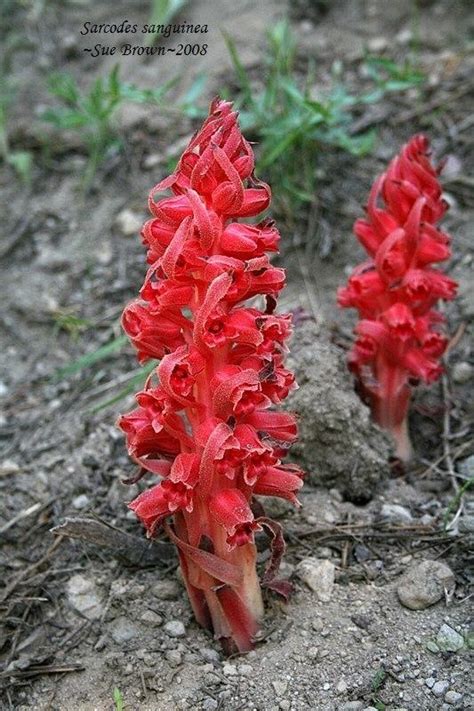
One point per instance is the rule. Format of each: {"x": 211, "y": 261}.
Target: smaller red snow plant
{"x": 203, "y": 425}
{"x": 399, "y": 339}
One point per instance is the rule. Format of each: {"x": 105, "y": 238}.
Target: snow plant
{"x": 205, "y": 425}
{"x": 399, "y": 340}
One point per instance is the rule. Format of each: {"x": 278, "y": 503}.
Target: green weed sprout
{"x": 92, "y": 113}
{"x": 291, "y": 125}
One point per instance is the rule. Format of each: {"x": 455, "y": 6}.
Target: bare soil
{"x": 63, "y": 254}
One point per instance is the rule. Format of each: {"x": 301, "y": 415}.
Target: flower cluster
{"x": 204, "y": 423}
{"x": 399, "y": 342}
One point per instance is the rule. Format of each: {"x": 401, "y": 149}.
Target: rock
{"x": 341, "y": 686}
{"x": 280, "y": 687}
{"x": 339, "y": 445}
{"x": 440, "y": 688}
{"x": 151, "y": 618}
{"x": 209, "y": 654}
{"x": 318, "y": 576}
{"x": 84, "y": 597}
{"x": 209, "y": 704}
{"x": 81, "y": 502}
{"x": 123, "y": 630}
{"x": 396, "y": 513}
{"x": 377, "y": 44}
{"x": 175, "y": 628}
{"x": 466, "y": 298}
{"x": 352, "y": 706}
{"x": 245, "y": 670}
{"x": 166, "y": 589}
{"x": 128, "y": 222}
{"x": 152, "y": 160}
{"x": 466, "y": 524}
{"x": 453, "y": 697}
{"x": 173, "y": 657}
{"x": 424, "y": 584}
{"x": 229, "y": 670}
{"x": 448, "y": 640}
{"x": 405, "y": 36}
{"x": 431, "y": 646}
{"x": 430, "y": 682}
{"x": 8, "y": 467}
{"x": 466, "y": 466}
{"x": 462, "y": 372}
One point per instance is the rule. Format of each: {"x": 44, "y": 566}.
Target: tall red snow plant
{"x": 399, "y": 335}
{"x": 205, "y": 427}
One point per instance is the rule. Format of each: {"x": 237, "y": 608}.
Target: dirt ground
{"x": 78, "y": 621}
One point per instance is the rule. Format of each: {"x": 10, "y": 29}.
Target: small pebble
{"x": 245, "y": 670}
{"x": 462, "y": 372}
{"x": 209, "y": 704}
{"x": 83, "y": 596}
{"x": 452, "y": 697}
{"x": 352, "y": 706}
{"x": 404, "y": 36}
{"x": 123, "y": 630}
{"x": 152, "y": 160}
{"x": 151, "y": 618}
{"x": 318, "y": 576}
{"x": 175, "y": 628}
{"x": 173, "y": 657}
{"x": 229, "y": 670}
{"x": 209, "y": 654}
{"x": 396, "y": 513}
{"x": 376, "y": 45}
{"x": 448, "y": 640}
{"x": 128, "y": 222}
{"x": 424, "y": 584}
{"x": 280, "y": 687}
{"x": 341, "y": 687}
{"x": 81, "y": 502}
{"x": 166, "y": 589}
{"x": 430, "y": 682}
{"x": 440, "y": 688}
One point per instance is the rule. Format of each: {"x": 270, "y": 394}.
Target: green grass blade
{"x": 135, "y": 383}
{"x": 118, "y": 699}
{"x": 89, "y": 359}
{"x": 162, "y": 12}
{"x": 242, "y": 77}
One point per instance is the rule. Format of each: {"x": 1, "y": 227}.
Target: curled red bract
{"x": 395, "y": 292}
{"x": 205, "y": 423}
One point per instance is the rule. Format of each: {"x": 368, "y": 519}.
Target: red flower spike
{"x": 208, "y": 430}
{"x": 398, "y": 337}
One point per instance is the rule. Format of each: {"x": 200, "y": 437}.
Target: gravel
{"x": 83, "y": 596}
{"x": 318, "y": 576}
{"x": 448, "y": 640}
{"x": 453, "y": 697}
{"x": 424, "y": 584}
{"x": 396, "y": 513}
{"x": 128, "y": 222}
{"x": 123, "y": 630}
{"x": 166, "y": 589}
{"x": 175, "y": 628}
{"x": 440, "y": 688}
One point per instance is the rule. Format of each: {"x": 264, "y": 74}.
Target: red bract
{"x": 204, "y": 423}
{"x": 395, "y": 291}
